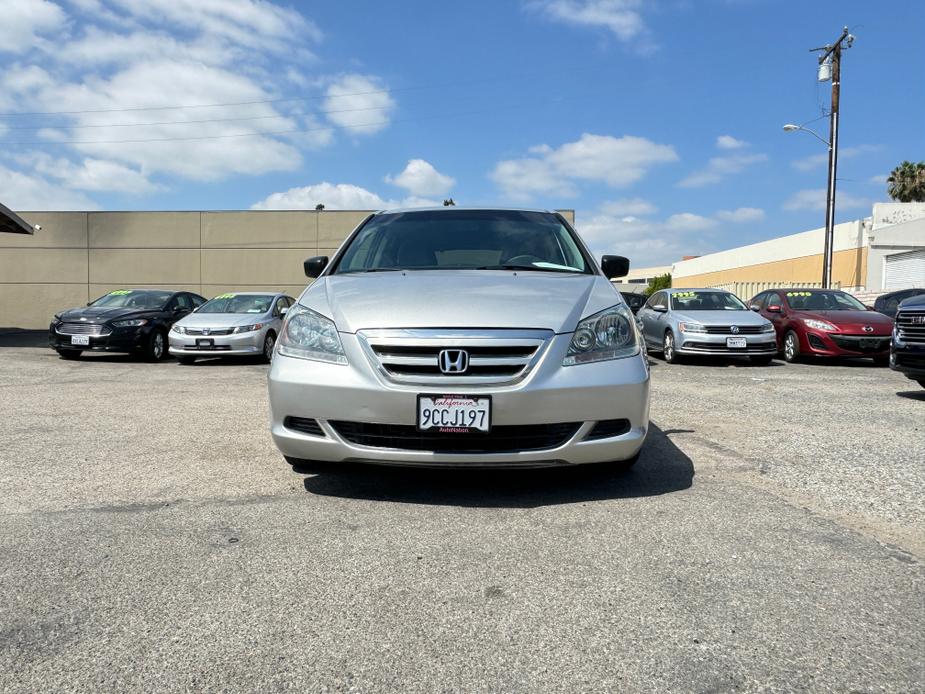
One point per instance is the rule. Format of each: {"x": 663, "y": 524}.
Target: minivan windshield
{"x": 809, "y": 300}
{"x": 131, "y": 298}
{"x": 237, "y": 303}
{"x": 464, "y": 240}
{"x": 706, "y": 301}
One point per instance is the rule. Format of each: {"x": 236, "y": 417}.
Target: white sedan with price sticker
{"x": 462, "y": 338}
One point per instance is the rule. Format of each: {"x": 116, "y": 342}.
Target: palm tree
{"x": 906, "y": 183}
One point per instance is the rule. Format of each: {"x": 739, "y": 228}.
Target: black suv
{"x": 907, "y": 349}
{"x": 888, "y": 304}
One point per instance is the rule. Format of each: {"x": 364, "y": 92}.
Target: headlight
{"x": 247, "y": 328}
{"x": 691, "y": 328}
{"x": 309, "y": 335}
{"x": 767, "y": 328}
{"x": 819, "y": 325}
{"x": 130, "y": 323}
{"x": 609, "y": 334}
{"x": 178, "y": 329}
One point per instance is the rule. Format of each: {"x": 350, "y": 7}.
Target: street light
{"x": 829, "y": 200}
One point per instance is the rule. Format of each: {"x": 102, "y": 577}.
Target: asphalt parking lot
{"x": 771, "y": 538}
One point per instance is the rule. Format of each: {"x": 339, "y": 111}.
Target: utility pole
{"x": 832, "y": 54}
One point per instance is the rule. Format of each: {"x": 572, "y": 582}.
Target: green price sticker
{"x": 685, "y": 295}
{"x": 120, "y": 292}
{"x": 226, "y": 296}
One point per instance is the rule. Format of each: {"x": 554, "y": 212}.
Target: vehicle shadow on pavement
{"x": 912, "y": 394}
{"x": 15, "y": 337}
{"x": 661, "y": 469}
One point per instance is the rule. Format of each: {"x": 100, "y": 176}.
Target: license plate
{"x": 736, "y": 342}
{"x": 80, "y": 339}
{"x": 205, "y": 343}
{"x": 454, "y": 414}
{"x": 870, "y": 342}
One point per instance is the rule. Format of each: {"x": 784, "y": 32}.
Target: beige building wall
{"x": 78, "y": 256}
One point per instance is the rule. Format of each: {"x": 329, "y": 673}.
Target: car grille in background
{"x": 720, "y": 347}
{"x": 727, "y": 330}
{"x": 501, "y": 439}
{"x": 83, "y": 329}
{"x": 495, "y": 356}
{"x": 303, "y": 425}
{"x": 910, "y": 324}
{"x": 860, "y": 343}
{"x": 607, "y": 428}
{"x": 212, "y": 331}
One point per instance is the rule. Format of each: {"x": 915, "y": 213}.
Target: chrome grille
{"x": 82, "y": 329}
{"x": 727, "y": 330}
{"x": 494, "y": 356}
{"x": 209, "y": 331}
{"x": 910, "y": 324}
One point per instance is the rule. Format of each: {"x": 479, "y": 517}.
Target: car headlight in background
{"x": 609, "y": 334}
{"x": 767, "y": 328}
{"x": 178, "y": 329}
{"x": 309, "y": 335}
{"x": 691, "y": 328}
{"x": 819, "y": 325}
{"x": 247, "y": 328}
{"x": 130, "y": 323}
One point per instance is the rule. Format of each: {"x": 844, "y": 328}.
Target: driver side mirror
{"x": 661, "y": 308}
{"x": 614, "y": 266}
{"x": 755, "y": 307}
{"x": 283, "y": 311}
{"x": 774, "y": 308}
{"x": 315, "y": 266}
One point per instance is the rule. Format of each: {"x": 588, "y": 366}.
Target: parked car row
{"x": 155, "y": 322}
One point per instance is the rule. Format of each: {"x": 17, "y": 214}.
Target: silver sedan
{"x": 679, "y": 322}
{"x": 231, "y": 324}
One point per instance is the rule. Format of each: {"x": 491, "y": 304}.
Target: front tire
{"x": 156, "y": 347}
{"x": 668, "y": 349}
{"x": 70, "y": 354}
{"x": 269, "y": 342}
{"x": 791, "y": 347}
{"x": 921, "y": 382}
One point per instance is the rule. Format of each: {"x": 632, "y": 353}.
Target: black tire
{"x": 69, "y": 353}
{"x": 762, "y": 360}
{"x": 156, "y": 347}
{"x": 881, "y": 361}
{"x": 791, "y": 347}
{"x": 668, "y": 349}
{"x": 269, "y": 342}
{"x": 921, "y": 382}
{"x": 186, "y": 361}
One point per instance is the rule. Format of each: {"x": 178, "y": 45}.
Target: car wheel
{"x": 69, "y": 353}
{"x": 762, "y": 360}
{"x": 791, "y": 347}
{"x": 921, "y": 383}
{"x": 269, "y": 342}
{"x": 186, "y": 361}
{"x": 156, "y": 347}
{"x": 881, "y": 361}
{"x": 668, "y": 349}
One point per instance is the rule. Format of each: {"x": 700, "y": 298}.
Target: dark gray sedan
{"x": 678, "y": 322}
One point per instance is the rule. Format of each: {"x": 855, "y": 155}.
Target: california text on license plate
{"x": 737, "y": 342}
{"x": 454, "y": 414}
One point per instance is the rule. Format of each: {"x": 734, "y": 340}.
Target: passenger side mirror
{"x": 661, "y": 308}
{"x": 614, "y": 266}
{"x": 774, "y": 308}
{"x": 316, "y": 265}
{"x": 284, "y": 311}
{"x": 755, "y": 307}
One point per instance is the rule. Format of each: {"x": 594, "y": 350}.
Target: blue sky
{"x": 658, "y": 121}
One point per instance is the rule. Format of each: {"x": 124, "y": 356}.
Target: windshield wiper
{"x": 532, "y": 268}
{"x": 372, "y": 269}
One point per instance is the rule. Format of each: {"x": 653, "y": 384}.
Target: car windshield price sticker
{"x": 454, "y": 414}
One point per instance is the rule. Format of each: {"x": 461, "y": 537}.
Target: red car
{"x": 825, "y": 323}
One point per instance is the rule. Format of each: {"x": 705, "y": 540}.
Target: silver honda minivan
{"x": 457, "y": 337}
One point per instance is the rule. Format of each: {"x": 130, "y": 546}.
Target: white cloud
{"x": 94, "y": 175}
{"x": 341, "y": 196}
{"x": 23, "y": 21}
{"x": 622, "y": 18}
{"x": 878, "y": 180}
{"x": 687, "y": 221}
{"x": 616, "y": 161}
{"x": 719, "y": 168}
{"x": 814, "y": 199}
{"x": 815, "y": 161}
{"x": 729, "y": 142}
{"x": 24, "y": 192}
{"x": 419, "y": 177}
{"x": 628, "y": 207}
{"x": 741, "y": 215}
{"x": 359, "y": 103}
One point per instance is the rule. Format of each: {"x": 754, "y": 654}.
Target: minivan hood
{"x": 460, "y": 299}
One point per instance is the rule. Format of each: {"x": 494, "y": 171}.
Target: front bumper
{"x": 121, "y": 340}
{"x": 824, "y": 344}
{"x": 550, "y": 394}
{"x": 908, "y": 360}
{"x": 242, "y": 344}
{"x": 762, "y": 344}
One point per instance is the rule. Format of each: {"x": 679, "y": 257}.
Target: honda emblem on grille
{"x": 734, "y": 329}
{"x": 453, "y": 361}
{"x": 868, "y": 329}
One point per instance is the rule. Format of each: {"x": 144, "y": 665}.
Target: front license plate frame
{"x": 205, "y": 343}
{"x": 458, "y": 425}
{"x": 82, "y": 340}
{"x": 869, "y": 343}
{"x": 736, "y": 343}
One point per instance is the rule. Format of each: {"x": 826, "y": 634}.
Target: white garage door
{"x": 905, "y": 270}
